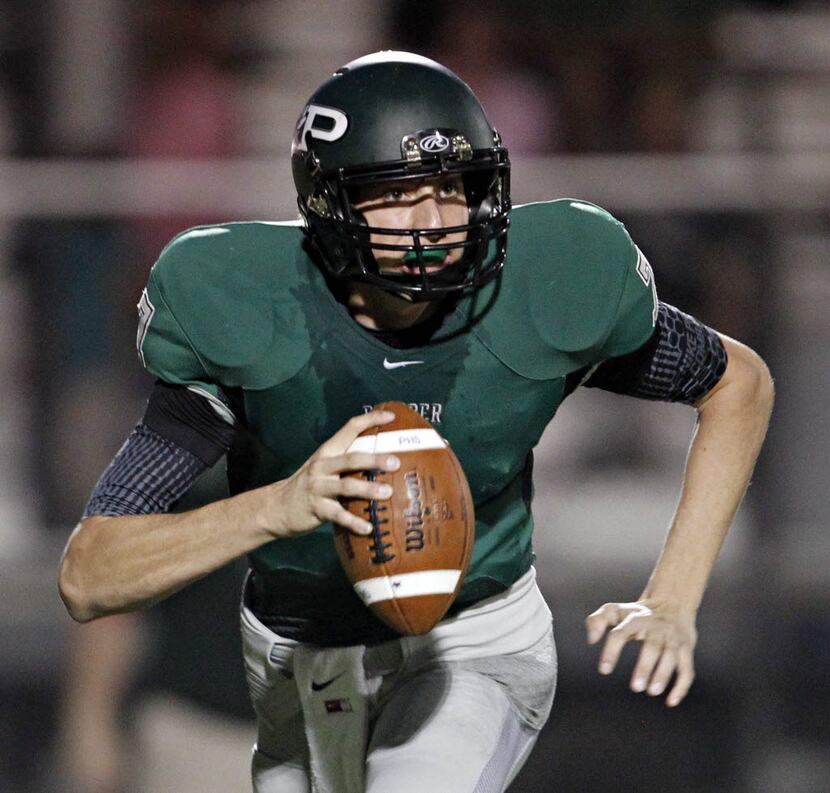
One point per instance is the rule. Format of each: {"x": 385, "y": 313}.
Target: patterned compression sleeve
{"x": 681, "y": 362}
{"x": 182, "y": 434}
{"x": 147, "y": 475}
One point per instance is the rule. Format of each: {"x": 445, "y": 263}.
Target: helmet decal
{"x": 435, "y": 143}
{"x": 322, "y": 123}
{"x": 432, "y": 142}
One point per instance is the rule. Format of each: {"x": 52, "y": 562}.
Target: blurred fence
{"x": 262, "y": 187}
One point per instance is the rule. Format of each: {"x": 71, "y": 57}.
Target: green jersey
{"x": 242, "y": 308}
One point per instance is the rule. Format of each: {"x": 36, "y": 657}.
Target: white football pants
{"x": 455, "y": 711}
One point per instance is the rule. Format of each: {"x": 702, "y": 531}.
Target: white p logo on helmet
{"x": 333, "y": 128}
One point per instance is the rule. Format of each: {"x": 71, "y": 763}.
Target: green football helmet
{"x": 395, "y": 116}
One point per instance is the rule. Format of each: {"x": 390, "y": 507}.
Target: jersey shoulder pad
{"x": 572, "y": 291}
{"x": 221, "y": 307}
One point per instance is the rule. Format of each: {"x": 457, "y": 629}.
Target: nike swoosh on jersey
{"x": 387, "y": 364}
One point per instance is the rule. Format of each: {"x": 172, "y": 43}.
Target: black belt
{"x": 313, "y": 610}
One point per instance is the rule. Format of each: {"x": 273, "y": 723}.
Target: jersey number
{"x": 145, "y": 313}
{"x": 647, "y": 277}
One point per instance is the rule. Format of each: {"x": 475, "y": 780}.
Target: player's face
{"x": 435, "y": 204}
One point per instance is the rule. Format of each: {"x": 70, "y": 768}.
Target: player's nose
{"x": 428, "y": 214}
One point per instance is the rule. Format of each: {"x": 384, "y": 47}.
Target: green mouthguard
{"x": 436, "y": 255}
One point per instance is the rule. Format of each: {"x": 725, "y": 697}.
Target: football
{"x": 410, "y": 568}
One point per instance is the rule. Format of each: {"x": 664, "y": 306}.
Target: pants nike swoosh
{"x": 325, "y": 684}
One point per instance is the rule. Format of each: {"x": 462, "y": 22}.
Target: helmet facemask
{"x": 346, "y": 244}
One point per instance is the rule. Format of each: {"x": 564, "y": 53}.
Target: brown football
{"x": 410, "y": 568}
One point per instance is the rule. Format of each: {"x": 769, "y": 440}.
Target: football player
{"x": 271, "y": 342}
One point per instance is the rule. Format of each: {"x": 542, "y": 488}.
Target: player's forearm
{"x": 125, "y": 563}
{"x": 117, "y": 564}
{"x": 732, "y": 423}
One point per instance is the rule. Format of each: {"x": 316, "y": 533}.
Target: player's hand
{"x": 311, "y": 495}
{"x": 668, "y": 636}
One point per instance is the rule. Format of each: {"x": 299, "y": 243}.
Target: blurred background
{"x": 704, "y": 126}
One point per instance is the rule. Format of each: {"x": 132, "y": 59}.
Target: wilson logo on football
{"x": 434, "y": 143}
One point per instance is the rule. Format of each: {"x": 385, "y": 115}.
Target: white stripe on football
{"x": 407, "y": 585}
{"x": 397, "y": 441}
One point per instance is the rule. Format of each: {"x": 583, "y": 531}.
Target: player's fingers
{"x": 343, "y": 438}
{"x": 352, "y": 487}
{"x": 663, "y": 672}
{"x": 596, "y": 623}
{"x": 614, "y": 644}
{"x": 355, "y": 461}
{"x": 650, "y": 654}
{"x": 685, "y": 677}
{"x": 332, "y": 511}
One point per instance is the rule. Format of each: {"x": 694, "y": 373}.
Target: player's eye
{"x": 450, "y": 189}
{"x": 395, "y": 194}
